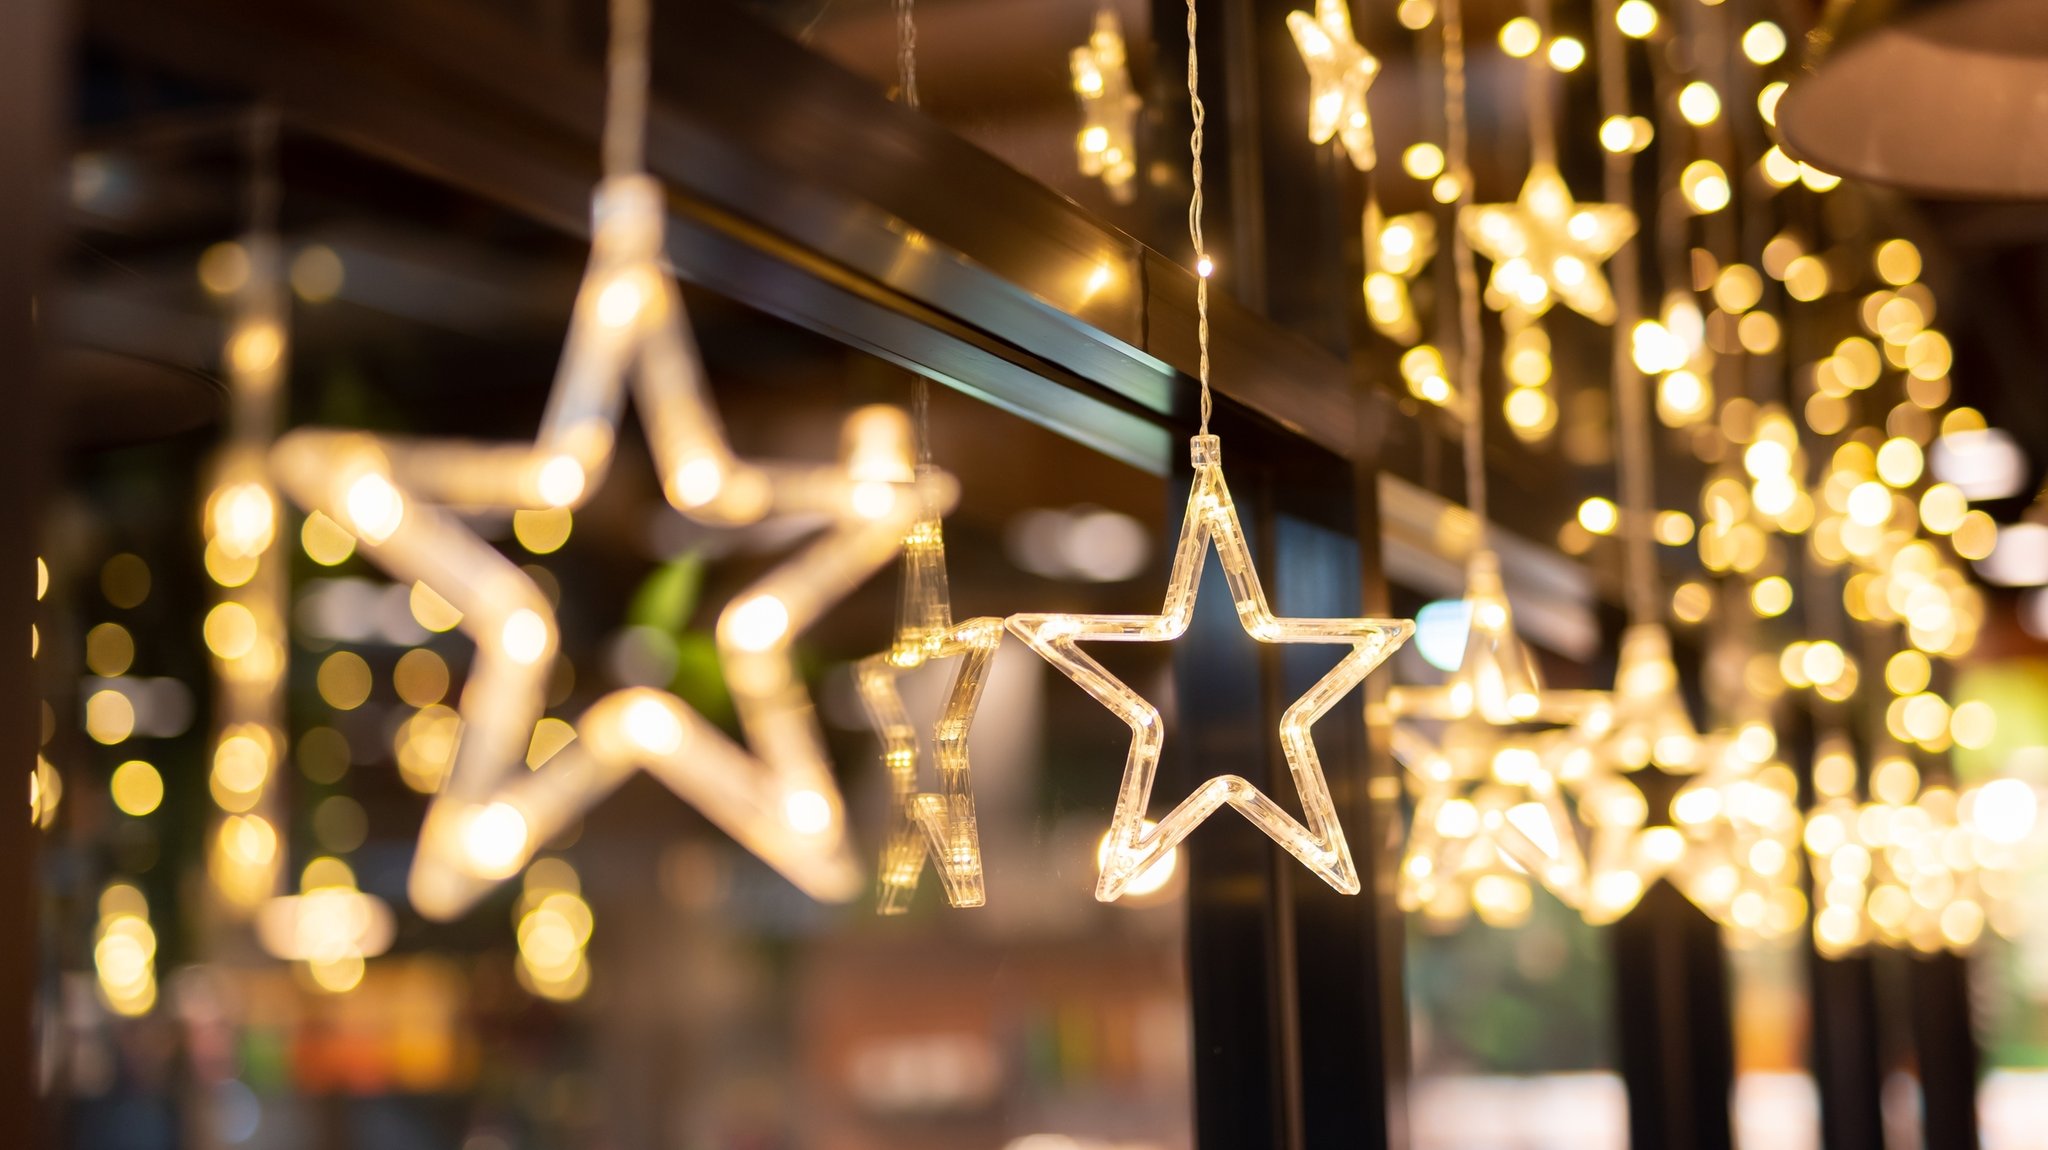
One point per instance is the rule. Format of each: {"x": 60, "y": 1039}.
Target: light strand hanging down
{"x": 1134, "y": 844}
{"x": 1106, "y": 146}
{"x": 1487, "y": 810}
{"x": 246, "y": 629}
{"x": 775, "y": 794}
{"x": 939, "y": 826}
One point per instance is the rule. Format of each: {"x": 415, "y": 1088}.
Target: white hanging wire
{"x": 1202, "y": 265}
{"x": 625, "y": 118}
{"x": 1470, "y": 346}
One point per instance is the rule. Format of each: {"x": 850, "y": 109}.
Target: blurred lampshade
{"x": 1933, "y": 101}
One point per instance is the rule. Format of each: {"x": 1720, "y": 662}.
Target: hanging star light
{"x": 1106, "y": 146}
{"x": 1340, "y": 71}
{"x": 776, "y": 794}
{"x": 1317, "y": 840}
{"x": 938, "y": 826}
{"x": 1484, "y": 745}
{"x": 1397, "y": 248}
{"x": 1546, "y": 248}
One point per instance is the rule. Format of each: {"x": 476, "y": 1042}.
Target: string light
{"x": 1136, "y": 845}
{"x": 1340, "y": 72}
{"x": 1106, "y": 145}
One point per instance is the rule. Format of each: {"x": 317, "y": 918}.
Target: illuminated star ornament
{"x": 1340, "y": 71}
{"x": 1106, "y": 145}
{"x": 1545, "y": 248}
{"x": 776, "y": 794}
{"x": 937, "y": 826}
{"x": 1133, "y": 846}
{"x": 1397, "y": 248}
{"x": 1483, "y": 787}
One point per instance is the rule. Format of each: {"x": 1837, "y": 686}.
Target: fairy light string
{"x": 625, "y": 121}
{"x": 1631, "y": 403}
{"x": 1457, "y": 141}
{"x": 1203, "y": 266}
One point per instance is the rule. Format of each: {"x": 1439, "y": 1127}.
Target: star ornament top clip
{"x": 1546, "y": 248}
{"x": 1318, "y": 839}
{"x": 1340, "y": 71}
{"x": 402, "y": 500}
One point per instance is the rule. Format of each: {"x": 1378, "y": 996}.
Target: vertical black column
{"x": 1946, "y": 1050}
{"x": 1238, "y": 984}
{"x": 1677, "y": 1039}
{"x": 1846, "y": 1069}
{"x": 34, "y": 66}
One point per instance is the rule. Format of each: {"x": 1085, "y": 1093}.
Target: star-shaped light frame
{"x": 1485, "y": 747}
{"x": 1397, "y": 248}
{"x": 1106, "y": 146}
{"x": 1318, "y": 839}
{"x": 1340, "y": 72}
{"x": 776, "y": 795}
{"x": 1545, "y": 247}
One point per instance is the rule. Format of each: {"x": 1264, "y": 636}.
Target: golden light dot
{"x": 542, "y": 532}
{"x": 326, "y": 542}
{"x": 1529, "y": 409}
{"x": 323, "y": 754}
{"x": 1925, "y": 718}
{"x": 759, "y": 624}
{"x": 1617, "y": 134}
{"x": 224, "y": 268}
{"x": 1692, "y": 601}
{"x": 1758, "y": 332}
{"x": 1817, "y": 180}
{"x": 136, "y": 787}
{"x": 1907, "y": 672}
{"x": 1764, "y": 42}
{"x": 494, "y": 840}
{"x": 1976, "y": 536}
{"x": 525, "y": 636}
{"x": 1962, "y": 419}
{"x": 1973, "y": 725}
{"x": 1738, "y": 288}
{"x": 1705, "y": 186}
{"x": 1415, "y": 15}
{"x": 1447, "y": 189}
{"x": 1566, "y": 54}
{"x": 1942, "y": 508}
{"x": 1699, "y": 103}
{"x": 229, "y": 569}
{"x": 1424, "y": 161}
{"x": 1899, "y": 462}
{"x": 420, "y": 677}
{"x": 317, "y": 273}
{"x": 256, "y": 348}
{"x": 1767, "y": 101}
{"x": 550, "y": 735}
{"x": 109, "y": 717}
{"x": 124, "y": 580}
{"x": 1826, "y": 414}
{"x": 431, "y": 611}
{"x": 1898, "y": 262}
{"x": 241, "y": 765}
{"x": 1636, "y": 18}
{"x": 1672, "y": 528}
{"x": 1771, "y": 597}
{"x": 1806, "y": 279}
{"x": 1520, "y": 37}
{"x": 375, "y": 508}
{"x": 344, "y": 680}
{"x": 109, "y": 650}
{"x": 1928, "y": 355}
{"x": 230, "y": 631}
{"x": 1599, "y": 515}
{"x": 1822, "y": 662}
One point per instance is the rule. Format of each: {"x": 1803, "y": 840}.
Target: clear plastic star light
{"x": 1106, "y": 146}
{"x": 776, "y": 794}
{"x": 1546, "y": 248}
{"x": 1340, "y": 71}
{"x": 1643, "y": 723}
{"x": 1317, "y": 840}
{"x": 1397, "y": 248}
{"x": 1485, "y": 795}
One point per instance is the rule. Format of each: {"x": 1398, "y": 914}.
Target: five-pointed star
{"x": 776, "y": 796}
{"x": 1318, "y": 840}
{"x": 1484, "y": 746}
{"x": 1340, "y": 71}
{"x": 1397, "y": 248}
{"x": 940, "y": 826}
{"x": 1544, "y": 247}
